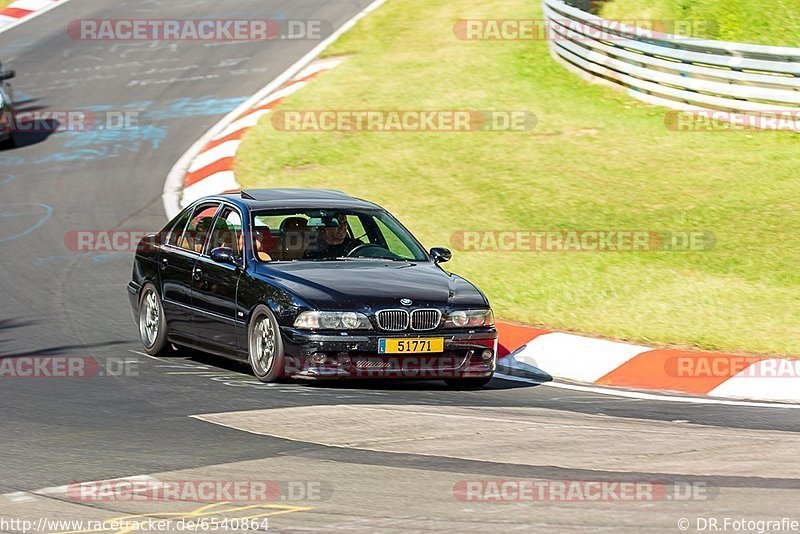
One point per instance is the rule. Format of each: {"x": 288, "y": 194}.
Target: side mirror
{"x": 7, "y": 75}
{"x": 224, "y": 255}
{"x": 441, "y": 254}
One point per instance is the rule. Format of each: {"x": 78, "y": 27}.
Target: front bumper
{"x": 133, "y": 297}
{"x": 356, "y": 355}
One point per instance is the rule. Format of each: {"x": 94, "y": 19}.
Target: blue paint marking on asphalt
{"x": 143, "y": 104}
{"x": 5, "y": 178}
{"x": 117, "y": 138}
{"x": 106, "y": 257}
{"x": 47, "y": 212}
{"x": 21, "y": 96}
{"x": 98, "y": 145}
{"x": 175, "y": 109}
{"x": 50, "y": 259}
{"x": 93, "y": 145}
{"x": 195, "y": 107}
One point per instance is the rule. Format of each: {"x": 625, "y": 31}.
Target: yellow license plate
{"x": 410, "y": 345}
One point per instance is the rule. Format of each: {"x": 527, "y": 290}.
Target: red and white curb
{"x": 203, "y": 174}
{"x": 612, "y": 363}
{"x": 208, "y": 168}
{"x": 211, "y": 171}
{"x": 23, "y": 10}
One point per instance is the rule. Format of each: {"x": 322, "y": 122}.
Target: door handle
{"x": 198, "y": 273}
{"x": 164, "y": 263}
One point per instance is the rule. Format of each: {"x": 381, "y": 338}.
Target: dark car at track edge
{"x": 309, "y": 284}
{"x": 7, "y": 134}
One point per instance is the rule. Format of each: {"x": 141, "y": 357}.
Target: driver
{"x": 333, "y": 240}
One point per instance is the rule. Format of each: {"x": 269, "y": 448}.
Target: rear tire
{"x": 468, "y": 383}
{"x": 265, "y": 345}
{"x": 152, "y": 324}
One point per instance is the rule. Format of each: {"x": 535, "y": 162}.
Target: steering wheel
{"x": 370, "y": 250}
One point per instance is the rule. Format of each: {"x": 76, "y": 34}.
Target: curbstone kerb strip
{"x": 612, "y": 363}
{"x": 173, "y": 187}
{"x": 21, "y": 11}
{"x": 211, "y": 171}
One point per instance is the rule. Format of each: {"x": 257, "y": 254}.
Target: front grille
{"x": 371, "y": 363}
{"x": 392, "y": 320}
{"x": 425, "y": 319}
{"x": 411, "y": 364}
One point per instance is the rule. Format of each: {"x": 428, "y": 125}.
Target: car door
{"x": 177, "y": 260}
{"x": 214, "y": 285}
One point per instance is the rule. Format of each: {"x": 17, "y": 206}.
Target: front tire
{"x": 152, "y": 324}
{"x": 468, "y": 383}
{"x": 265, "y": 345}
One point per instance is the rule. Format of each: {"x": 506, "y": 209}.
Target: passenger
{"x": 263, "y": 243}
{"x": 201, "y": 232}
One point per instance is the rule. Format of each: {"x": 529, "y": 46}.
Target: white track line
{"x": 647, "y": 396}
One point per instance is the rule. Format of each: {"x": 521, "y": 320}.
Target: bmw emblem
{"x": 406, "y": 302}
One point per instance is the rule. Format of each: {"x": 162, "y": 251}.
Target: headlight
{"x": 469, "y": 319}
{"x": 332, "y": 321}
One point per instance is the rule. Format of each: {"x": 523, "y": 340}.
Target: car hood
{"x": 357, "y": 285}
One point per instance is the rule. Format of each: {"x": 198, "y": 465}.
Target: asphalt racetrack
{"x": 389, "y": 456}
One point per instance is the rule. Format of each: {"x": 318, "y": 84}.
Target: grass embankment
{"x": 597, "y": 160}
{"x": 769, "y": 22}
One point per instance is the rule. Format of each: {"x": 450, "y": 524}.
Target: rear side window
{"x": 199, "y": 228}
{"x": 176, "y": 231}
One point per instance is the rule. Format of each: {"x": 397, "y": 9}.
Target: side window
{"x": 176, "y": 230}
{"x": 199, "y": 227}
{"x": 227, "y": 231}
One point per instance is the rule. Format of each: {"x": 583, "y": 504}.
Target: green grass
{"x": 769, "y": 22}
{"x": 596, "y": 160}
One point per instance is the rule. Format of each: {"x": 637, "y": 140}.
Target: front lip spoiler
{"x": 347, "y": 352}
{"x": 305, "y": 343}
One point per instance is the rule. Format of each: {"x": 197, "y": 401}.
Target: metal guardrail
{"x": 678, "y": 72}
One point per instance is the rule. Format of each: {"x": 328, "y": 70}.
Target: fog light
{"x": 487, "y": 355}
{"x": 318, "y": 358}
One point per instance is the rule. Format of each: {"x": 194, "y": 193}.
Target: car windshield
{"x": 332, "y": 235}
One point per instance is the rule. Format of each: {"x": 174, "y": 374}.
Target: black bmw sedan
{"x": 310, "y": 284}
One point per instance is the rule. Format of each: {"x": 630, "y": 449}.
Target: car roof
{"x": 277, "y": 198}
